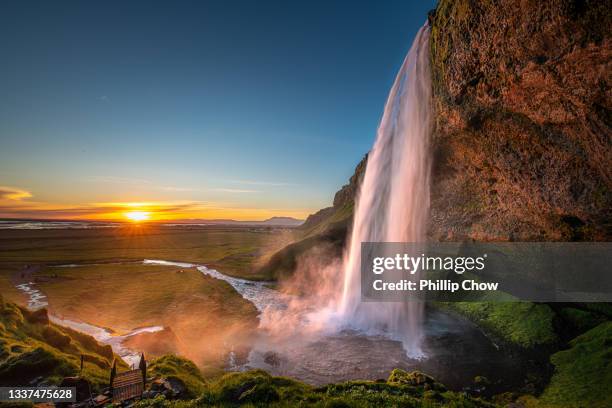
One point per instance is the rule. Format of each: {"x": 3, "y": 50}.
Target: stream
{"x": 456, "y": 349}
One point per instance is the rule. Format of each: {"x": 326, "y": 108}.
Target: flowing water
{"x": 393, "y": 201}
{"x": 366, "y": 340}
{"x": 457, "y": 350}
{"x": 37, "y": 300}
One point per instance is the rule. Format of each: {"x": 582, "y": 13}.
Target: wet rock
{"x": 169, "y": 387}
{"x": 415, "y": 378}
{"x": 272, "y": 358}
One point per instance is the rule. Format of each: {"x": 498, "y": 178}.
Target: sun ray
{"x": 137, "y": 216}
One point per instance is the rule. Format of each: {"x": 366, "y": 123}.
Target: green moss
{"x": 21, "y": 368}
{"x": 520, "y": 323}
{"x": 450, "y": 18}
{"x": 181, "y": 369}
{"x": 601, "y": 308}
{"x": 339, "y": 215}
{"x": 56, "y": 338}
{"x": 583, "y": 373}
{"x": 252, "y": 387}
{"x": 580, "y": 320}
{"x": 328, "y": 233}
{"x": 259, "y": 389}
{"x": 31, "y": 348}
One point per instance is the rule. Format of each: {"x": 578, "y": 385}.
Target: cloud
{"x": 120, "y": 180}
{"x": 139, "y": 181}
{"x": 11, "y": 193}
{"x": 186, "y": 210}
{"x": 178, "y": 189}
{"x": 235, "y": 190}
{"x": 263, "y": 183}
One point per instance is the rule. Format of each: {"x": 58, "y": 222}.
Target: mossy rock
{"x": 583, "y": 373}
{"x": 181, "y": 370}
{"x": 31, "y": 347}
{"x": 21, "y": 369}
{"x": 414, "y": 378}
{"x": 581, "y": 320}
{"x": 522, "y": 324}
{"x": 56, "y": 338}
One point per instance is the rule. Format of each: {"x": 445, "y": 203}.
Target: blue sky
{"x": 260, "y": 107}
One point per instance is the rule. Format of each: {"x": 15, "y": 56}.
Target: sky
{"x": 205, "y": 109}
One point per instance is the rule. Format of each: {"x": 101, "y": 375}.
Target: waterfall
{"x": 393, "y": 201}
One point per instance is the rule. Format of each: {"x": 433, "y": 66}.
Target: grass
{"x": 583, "y": 373}
{"x": 259, "y": 389}
{"x": 179, "y": 369}
{"x": 123, "y": 297}
{"x": 190, "y": 304}
{"x": 523, "y": 324}
{"x": 327, "y": 236}
{"x": 339, "y": 215}
{"x": 135, "y": 295}
{"x": 31, "y": 347}
{"x": 233, "y": 250}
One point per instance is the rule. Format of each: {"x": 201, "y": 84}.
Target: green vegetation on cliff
{"x": 259, "y": 389}
{"x": 583, "y": 373}
{"x": 323, "y": 233}
{"x": 523, "y": 324}
{"x": 32, "y": 348}
{"x": 179, "y": 369}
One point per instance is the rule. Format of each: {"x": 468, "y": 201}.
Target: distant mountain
{"x": 272, "y": 222}
{"x": 286, "y": 221}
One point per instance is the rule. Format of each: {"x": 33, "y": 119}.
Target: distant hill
{"x": 274, "y": 221}
{"x": 33, "y": 350}
{"x": 288, "y": 221}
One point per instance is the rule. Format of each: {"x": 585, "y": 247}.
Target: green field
{"x": 205, "y": 315}
{"x": 112, "y": 289}
{"x": 233, "y": 250}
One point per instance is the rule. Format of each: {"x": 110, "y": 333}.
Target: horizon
{"x": 185, "y": 221}
{"x": 121, "y": 111}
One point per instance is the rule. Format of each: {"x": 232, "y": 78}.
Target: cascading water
{"x": 393, "y": 201}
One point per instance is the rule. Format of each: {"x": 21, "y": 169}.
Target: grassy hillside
{"x": 30, "y": 347}
{"x": 184, "y": 300}
{"x": 259, "y": 389}
{"x": 178, "y": 369}
{"x": 523, "y": 324}
{"x": 583, "y": 373}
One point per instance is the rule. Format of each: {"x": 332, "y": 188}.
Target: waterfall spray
{"x": 393, "y": 201}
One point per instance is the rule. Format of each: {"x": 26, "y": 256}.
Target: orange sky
{"x": 19, "y": 203}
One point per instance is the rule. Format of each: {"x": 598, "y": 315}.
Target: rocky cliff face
{"x": 323, "y": 232}
{"x": 522, "y": 138}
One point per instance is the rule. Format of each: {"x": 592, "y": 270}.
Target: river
{"x": 456, "y": 350}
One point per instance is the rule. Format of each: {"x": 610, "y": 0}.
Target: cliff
{"x": 325, "y": 231}
{"x": 522, "y": 138}
{"x": 36, "y": 352}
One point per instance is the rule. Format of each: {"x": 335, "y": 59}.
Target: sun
{"x": 137, "y": 216}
